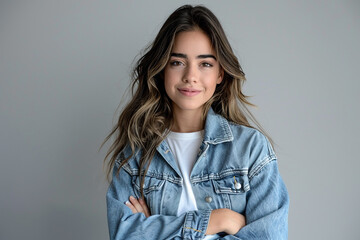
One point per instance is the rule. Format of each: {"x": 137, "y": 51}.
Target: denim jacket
{"x": 236, "y": 169}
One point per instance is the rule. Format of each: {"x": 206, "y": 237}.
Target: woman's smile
{"x": 189, "y": 92}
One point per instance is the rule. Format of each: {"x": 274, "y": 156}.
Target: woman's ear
{"x": 221, "y": 76}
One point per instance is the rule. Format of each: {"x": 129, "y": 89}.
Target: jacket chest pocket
{"x": 153, "y": 188}
{"x": 232, "y": 190}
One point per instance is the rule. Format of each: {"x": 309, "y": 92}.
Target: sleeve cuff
{"x": 196, "y": 223}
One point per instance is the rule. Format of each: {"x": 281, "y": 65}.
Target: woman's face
{"x": 192, "y": 73}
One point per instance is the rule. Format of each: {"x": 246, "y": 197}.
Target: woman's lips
{"x": 189, "y": 92}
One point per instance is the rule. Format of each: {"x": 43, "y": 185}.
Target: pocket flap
{"x": 150, "y": 184}
{"x": 233, "y": 184}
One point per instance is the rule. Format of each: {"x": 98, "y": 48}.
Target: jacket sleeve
{"x": 267, "y": 205}
{"x": 123, "y": 224}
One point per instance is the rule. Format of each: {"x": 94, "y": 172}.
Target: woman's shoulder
{"x": 244, "y": 136}
{"x": 255, "y": 144}
{"x": 247, "y": 133}
{"x": 128, "y": 160}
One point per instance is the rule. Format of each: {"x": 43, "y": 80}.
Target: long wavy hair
{"x": 146, "y": 119}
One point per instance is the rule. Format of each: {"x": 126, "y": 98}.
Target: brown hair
{"x": 145, "y": 120}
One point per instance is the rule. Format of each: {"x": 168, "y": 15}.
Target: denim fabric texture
{"x": 236, "y": 169}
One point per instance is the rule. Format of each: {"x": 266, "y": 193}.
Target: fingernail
{"x": 132, "y": 198}
{"x": 127, "y": 203}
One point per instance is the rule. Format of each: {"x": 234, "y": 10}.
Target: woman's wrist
{"x": 234, "y": 222}
{"x": 225, "y": 220}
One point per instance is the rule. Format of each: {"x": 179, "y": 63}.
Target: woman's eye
{"x": 175, "y": 63}
{"x": 205, "y": 64}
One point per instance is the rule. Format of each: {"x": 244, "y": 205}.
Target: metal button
{"x": 208, "y": 199}
{"x": 237, "y": 185}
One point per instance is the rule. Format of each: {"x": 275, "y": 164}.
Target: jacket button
{"x": 208, "y": 199}
{"x": 237, "y": 186}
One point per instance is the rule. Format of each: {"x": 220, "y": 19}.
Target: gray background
{"x": 64, "y": 66}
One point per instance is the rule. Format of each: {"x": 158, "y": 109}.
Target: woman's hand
{"x": 138, "y": 206}
{"x": 225, "y": 220}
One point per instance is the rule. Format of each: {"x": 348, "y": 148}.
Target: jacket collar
{"x": 217, "y": 129}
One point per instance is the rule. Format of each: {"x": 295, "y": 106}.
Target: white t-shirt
{"x": 185, "y": 148}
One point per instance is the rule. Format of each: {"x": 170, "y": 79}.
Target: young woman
{"x": 185, "y": 161}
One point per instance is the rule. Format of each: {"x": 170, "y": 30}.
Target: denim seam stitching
{"x": 193, "y": 229}
{"x": 205, "y": 222}
{"x": 261, "y": 165}
{"x": 213, "y": 176}
{"x": 169, "y": 178}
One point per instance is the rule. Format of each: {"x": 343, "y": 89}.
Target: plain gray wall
{"x": 64, "y": 66}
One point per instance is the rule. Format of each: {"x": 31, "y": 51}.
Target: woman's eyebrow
{"x": 181, "y": 55}
{"x": 206, "y": 56}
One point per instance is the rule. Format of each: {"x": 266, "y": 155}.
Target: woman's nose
{"x": 191, "y": 74}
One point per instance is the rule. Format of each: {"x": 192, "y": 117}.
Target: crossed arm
{"x": 266, "y": 212}
{"x": 221, "y": 220}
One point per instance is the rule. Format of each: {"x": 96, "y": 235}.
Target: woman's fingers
{"x": 138, "y": 206}
{"x": 133, "y": 209}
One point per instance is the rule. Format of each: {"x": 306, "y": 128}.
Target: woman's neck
{"x": 187, "y": 121}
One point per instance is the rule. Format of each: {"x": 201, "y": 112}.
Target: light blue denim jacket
{"x": 236, "y": 169}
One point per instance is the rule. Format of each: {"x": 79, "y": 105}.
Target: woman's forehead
{"x": 193, "y": 43}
